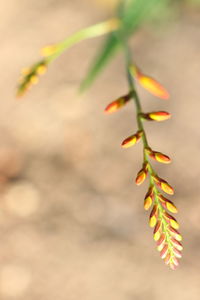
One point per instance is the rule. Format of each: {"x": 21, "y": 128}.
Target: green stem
{"x": 86, "y": 33}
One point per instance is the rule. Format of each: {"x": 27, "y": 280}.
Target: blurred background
{"x": 72, "y": 223}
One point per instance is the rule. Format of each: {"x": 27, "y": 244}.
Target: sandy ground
{"x": 72, "y": 223}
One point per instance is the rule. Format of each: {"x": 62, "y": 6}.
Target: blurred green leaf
{"x": 135, "y": 13}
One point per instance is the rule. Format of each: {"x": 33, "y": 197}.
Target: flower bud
{"x": 164, "y": 185}
{"x": 132, "y": 140}
{"x": 158, "y": 156}
{"x": 164, "y": 251}
{"x": 153, "y": 216}
{"x": 177, "y": 253}
{"x": 167, "y": 204}
{"x": 175, "y": 233}
{"x": 157, "y": 116}
{"x": 117, "y": 104}
{"x": 176, "y": 244}
{"x": 148, "y": 200}
{"x": 150, "y": 84}
{"x": 171, "y": 220}
{"x": 156, "y": 232}
{"x": 142, "y": 174}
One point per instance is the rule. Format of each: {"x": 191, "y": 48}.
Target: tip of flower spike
{"x": 150, "y": 84}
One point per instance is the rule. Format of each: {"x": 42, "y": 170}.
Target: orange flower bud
{"x": 167, "y": 259}
{"x": 158, "y": 116}
{"x": 156, "y": 232}
{"x": 177, "y": 253}
{"x": 158, "y": 156}
{"x": 175, "y": 233}
{"x": 153, "y": 216}
{"x": 117, "y": 104}
{"x": 148, "y": 200}
{"x": 176, "y": 244}
{"x": 164, "y": 251}
{"x": 171, "y": 220}
{"x": 150, "y": 84}
{"x": 164, "y": 185}
{"x": 142, "y": 174}
{"x": 167, "y": 204}
{"x": 161, "y": 240}
{"x": 162, "y": 158}
{"x": 132, "y": 140}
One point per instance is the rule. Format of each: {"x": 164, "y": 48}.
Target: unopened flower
{"x": 164, "y": 185}
{"x": 153, "y": 216}
{"x": 148, "y": 200}
{"x": 132, "y": 140}
{"x": 142, "y": 174}
{"x": 117, "y": 104}
{"x": 150, "y": 84}
{"x": 158, "y": 156}
{"x": 158, "y": 116}
{"x": 167, "y": 204}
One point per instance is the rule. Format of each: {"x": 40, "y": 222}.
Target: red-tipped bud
{"x": 150, "y": 84}
{"x": 164, "y": 251}
{"x": 177, "y": 253}
{"x": 157, "y": 116}
{"x": 167, "y": 259}
{"x": 117, "y": 104}
{"x": 177, "y": 244}
{"x": 132, "y": 140}
{"x": 158, "y": 156}
{"x": 142, "y": 174}
{"x": 167, "y": 204}
{"x": 161, "y": 241}
{"x": 157, "y": 229}
{"x": 153, "y": 216}
{"x": 175, "y": 233}
{"x": 164, "y": 185}
{"x": 171, "y": 220}
{"x": 148, "y": 200}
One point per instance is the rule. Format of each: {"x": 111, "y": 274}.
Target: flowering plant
{"x": 130, "y": 14}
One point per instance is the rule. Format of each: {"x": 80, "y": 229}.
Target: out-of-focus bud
{"x": 158, "y": 116}
{"x": 150, "y": 84}
{"x": 132, "y": 140}
{"x": 49, "y": 50}
{"x": 177, "y": 253}
{"x": 153, "y": 216}
{"x": 148, "y": 200}
{"x": 31, "y": 76}
{"x": 164, "y": 251}
{"x": 177, "y": 244}
{"x": 164, "y": 185}
{"x": 117, "y": 104}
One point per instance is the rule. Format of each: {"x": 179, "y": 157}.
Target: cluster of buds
{"x": 30, "y": 76}
{"x": 165, "y": 232}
